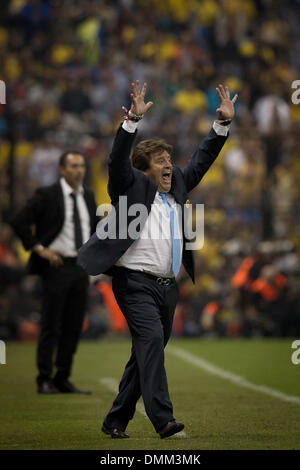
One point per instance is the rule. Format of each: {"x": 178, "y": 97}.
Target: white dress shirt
{"x": 65, "y": 241}
{"x": 153, "y": 254}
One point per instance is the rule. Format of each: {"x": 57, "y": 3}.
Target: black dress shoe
{"x": 171, "y": 428}
{"x": 67, "y": 387}
{"x": 115, "y": 433}
{"x": 47, "y": 388}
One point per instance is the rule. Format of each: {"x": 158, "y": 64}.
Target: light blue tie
{"x": 176, "y": 252}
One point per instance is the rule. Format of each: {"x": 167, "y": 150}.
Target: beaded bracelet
{"x": 131, "y": 116}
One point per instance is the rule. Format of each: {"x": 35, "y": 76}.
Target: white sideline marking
{"x": 113, "y": 385}
{"x": 237, "y": 379}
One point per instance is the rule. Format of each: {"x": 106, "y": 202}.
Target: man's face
{"x": 160, "y": 171}
{"x": 74, "y": 170}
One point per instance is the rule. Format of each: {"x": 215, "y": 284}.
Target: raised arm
{"x": 210, "y": 148}
{"x": 119, "y": 165}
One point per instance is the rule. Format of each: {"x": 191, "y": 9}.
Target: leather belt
{"x": 69, "y": 259}
{"x": 163, "y": 281}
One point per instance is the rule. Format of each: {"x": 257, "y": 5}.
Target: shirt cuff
{"x": 221, "y": 130}
{"x": 130, "y": 126}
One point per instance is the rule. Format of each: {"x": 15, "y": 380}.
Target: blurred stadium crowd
{"x": 67, "y": 65}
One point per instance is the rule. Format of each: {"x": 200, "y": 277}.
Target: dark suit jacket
{"x": 98, "y": 256}
{"x": 42, "y": 218}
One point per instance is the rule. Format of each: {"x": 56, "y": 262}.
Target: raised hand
{"x": 226, "y": 108}
{"x": 138, "y": 105}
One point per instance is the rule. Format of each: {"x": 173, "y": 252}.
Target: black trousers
{"x": 149, "y": 309}
{"x": 64, "y": 304}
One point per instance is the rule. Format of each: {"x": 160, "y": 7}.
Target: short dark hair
{"x": 63, "y": 157}
{"x": 144, "y": 150}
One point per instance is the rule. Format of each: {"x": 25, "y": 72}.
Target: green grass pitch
{"x": 218, "y": 414}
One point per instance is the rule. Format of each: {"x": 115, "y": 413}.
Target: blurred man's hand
{"x": 54, "y": 257}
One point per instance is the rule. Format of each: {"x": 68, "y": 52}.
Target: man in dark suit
{"x": 53, "y": 225}
{"x": 144, "y": 268}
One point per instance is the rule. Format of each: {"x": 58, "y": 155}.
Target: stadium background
{"x": 67, "y": 66}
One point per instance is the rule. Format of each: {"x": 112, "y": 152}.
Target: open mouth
{"x": 166, "y": 177}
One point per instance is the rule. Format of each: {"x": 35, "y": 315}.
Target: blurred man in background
{"x": 63, "y": 217}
